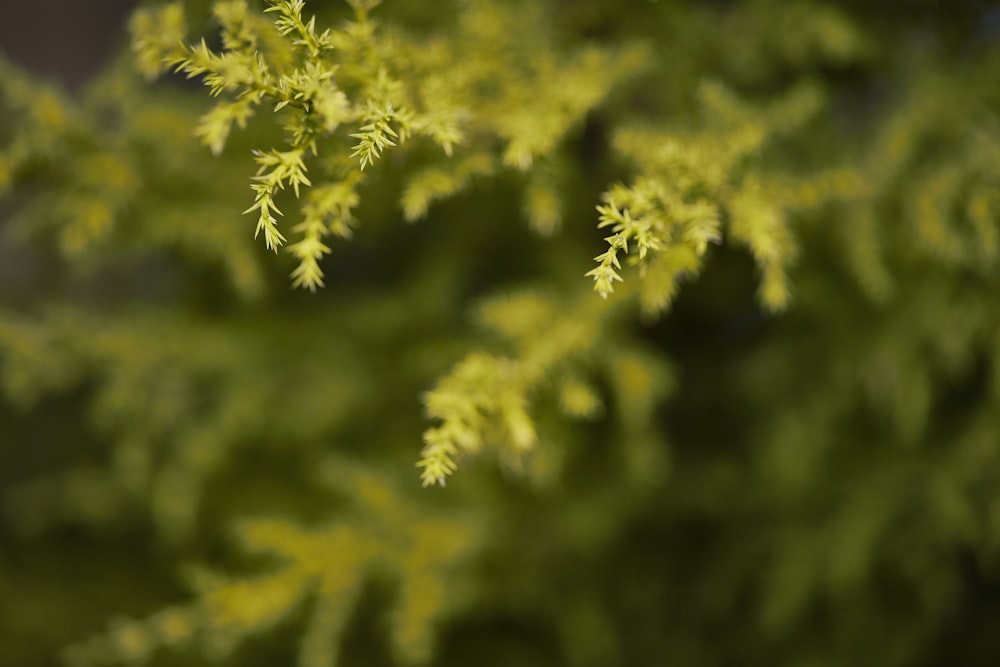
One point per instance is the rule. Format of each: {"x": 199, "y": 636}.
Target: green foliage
{"x": 384, "y": 89}
{"x": 388, "y": 535}
{"x": 641, "y": 455}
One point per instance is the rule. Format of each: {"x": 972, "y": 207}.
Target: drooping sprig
{"x": 327, "y": 210}
{"x": 351, "y": 93}
{"x": 290, "y": 21}
{"x": 689, "y": 183}
{"x": 376, "y": 134}
{"x": 319, "y": 80}
{"x": 485, "y": 401}
{"x": 277, "y": 169}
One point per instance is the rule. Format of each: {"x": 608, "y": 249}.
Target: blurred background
{"x": 818, "y": 487}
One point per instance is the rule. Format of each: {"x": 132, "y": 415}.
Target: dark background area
{"x": 63, "y": 40}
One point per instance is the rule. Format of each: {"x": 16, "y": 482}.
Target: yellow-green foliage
{"x": 696, "y": 305}
{"x": 323, "y": 567}
{"x": 380, "y": 91}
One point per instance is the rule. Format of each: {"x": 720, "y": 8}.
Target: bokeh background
{"x": 812, "y": 487}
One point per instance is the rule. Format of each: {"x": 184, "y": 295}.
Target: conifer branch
{"x": 276, "y": 170}
{"x": 290, "y": 21}
{"x": 327, "y": 210}
{"x": 486, "y": 398}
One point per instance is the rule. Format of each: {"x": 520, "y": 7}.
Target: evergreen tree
{"x": 546, "y": 333}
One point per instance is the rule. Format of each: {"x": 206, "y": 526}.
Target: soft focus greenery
{"x": 688, "y": 314}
